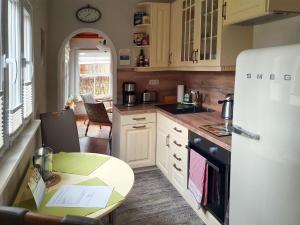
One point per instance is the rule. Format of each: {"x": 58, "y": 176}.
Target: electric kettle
{"x": 227, "y": 110}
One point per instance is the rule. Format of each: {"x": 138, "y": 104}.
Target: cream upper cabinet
{"x": 237, "y": 11}
{"x": 157, "y": 31}
{"x": 204, "y": 43}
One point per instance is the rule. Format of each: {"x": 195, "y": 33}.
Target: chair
{"x": 97, "y": 114}
{"x": 88, "y": 98}
{"x": 59, "y": 131}
{"x": 19, "y": 216}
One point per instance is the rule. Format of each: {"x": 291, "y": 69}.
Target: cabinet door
{"x": 241, "y": 10}
{"x": 210, "y": 32}
{"x": 139, "y": 144}
{"x": 175, "y": 30}
{"x": 188, "y": 34}
{"x": 162, "y": 151}
{"x": 160, "y": 35}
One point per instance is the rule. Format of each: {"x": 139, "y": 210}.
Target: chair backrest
{"x": 59, "y": 131}
{"x": 97, "y": 113}
{"x": 19, "y": 216}
{"x": 88, "y": 98}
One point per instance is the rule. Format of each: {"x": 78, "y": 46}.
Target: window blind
{"x": 14, "y": 66}
{"x": 1, "y": 87}
{"x": 27, "y": 65}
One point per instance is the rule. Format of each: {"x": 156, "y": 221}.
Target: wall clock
{"x": 88, "y": 14}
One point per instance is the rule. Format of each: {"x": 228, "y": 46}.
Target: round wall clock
{"x": 88, "y": 14}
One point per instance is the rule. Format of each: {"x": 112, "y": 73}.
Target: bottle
{"x": 141, "y": 58}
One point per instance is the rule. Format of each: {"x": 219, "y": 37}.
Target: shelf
{"x": 142, "y": 25}
{"x": 150, "y": 69}
{"x": 141, "y": 46}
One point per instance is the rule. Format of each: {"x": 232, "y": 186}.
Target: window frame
{"x": 78, "y": 52}
{"x": 10, "y": 138}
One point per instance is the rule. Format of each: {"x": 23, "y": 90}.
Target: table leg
{"x": 112, "y": 217}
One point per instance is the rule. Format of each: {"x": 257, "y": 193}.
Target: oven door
{"x": 218, "y": 186}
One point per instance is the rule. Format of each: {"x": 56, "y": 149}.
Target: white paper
{"x": 37, "y": 187}
{"x": 78, "y": 196}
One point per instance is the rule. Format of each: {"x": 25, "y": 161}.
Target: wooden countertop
{"x": 191, "y": 121}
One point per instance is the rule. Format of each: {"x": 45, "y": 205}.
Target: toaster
{"x": 149, "y": 96}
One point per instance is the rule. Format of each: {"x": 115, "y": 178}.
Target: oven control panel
{"x": 208, "y": 148}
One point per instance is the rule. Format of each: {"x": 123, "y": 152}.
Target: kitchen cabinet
{"x": 203, "y": 41}
{"x": 135, "y": 138}
{"x": 172, "y": 154}
{"x": 162, "y": 150}
{"x": 238, "y": 11}
{"x": 158, "y": 31}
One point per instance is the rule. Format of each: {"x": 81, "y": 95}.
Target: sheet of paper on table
{"x": 78, "y": 196}
{"x": 37, "y": 187}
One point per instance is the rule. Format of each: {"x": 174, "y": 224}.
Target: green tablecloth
{"x": 59, "y": 211}
{"x": 77, "y": 163}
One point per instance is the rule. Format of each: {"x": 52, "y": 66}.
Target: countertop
{"x": 191, "y": 121}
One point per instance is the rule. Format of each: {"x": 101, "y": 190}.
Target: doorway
{"x": 88, "y": 66}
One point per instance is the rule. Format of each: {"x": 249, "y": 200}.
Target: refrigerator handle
{"x": 240, "y": 131}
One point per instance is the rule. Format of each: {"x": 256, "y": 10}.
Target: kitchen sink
{"x": 183, "y": 108}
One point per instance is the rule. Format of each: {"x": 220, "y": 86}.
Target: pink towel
{"x": 198, "y": 179}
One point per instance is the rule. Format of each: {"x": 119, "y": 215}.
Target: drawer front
{"x": 138, "y": 119}
{"x": 173, "y": 127}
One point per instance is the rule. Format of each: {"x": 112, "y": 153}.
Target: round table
{"x": 113, "y": 172}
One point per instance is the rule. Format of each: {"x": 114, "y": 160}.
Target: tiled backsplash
{"x": 214, "y": 85}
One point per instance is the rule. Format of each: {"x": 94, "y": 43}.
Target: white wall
{"x": 40, "y": 68}
{"x": 282, "y": 32}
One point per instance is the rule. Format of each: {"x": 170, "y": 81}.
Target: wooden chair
{"x": 97, "y": 114}
{"x": 19, "y": 216}
{"x": 59, "y": 131}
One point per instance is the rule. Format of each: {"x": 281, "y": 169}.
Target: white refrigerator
{"x": 265, "y": 160}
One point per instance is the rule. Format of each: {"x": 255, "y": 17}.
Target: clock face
{"x": 88, "y": 14}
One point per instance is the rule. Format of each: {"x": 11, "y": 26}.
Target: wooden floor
{"x": 96, "y": 141}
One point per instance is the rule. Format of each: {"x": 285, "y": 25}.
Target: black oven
{"x": 218, "y": 174}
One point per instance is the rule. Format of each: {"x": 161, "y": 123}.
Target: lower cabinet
{"x": 134, "y": 138}
{"x": 162, "y": 150}
{"x": 139, "y": 144}
{"x": 171, "y": 152}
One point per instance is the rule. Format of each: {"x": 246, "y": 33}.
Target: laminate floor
{"x": 97, "y": 139}
{"x": 154, "y": 201}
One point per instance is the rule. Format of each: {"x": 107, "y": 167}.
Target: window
{"x": 95, "y": 73}
{"x": 16, "y": 71}
{"x": 1, "y": 86}
{"x": 27, "y": 64}
{"x": 14, "y": 65}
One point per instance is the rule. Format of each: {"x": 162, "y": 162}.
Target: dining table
{"x": 84, "y": 169}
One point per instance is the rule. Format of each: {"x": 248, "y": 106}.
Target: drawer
{"x": 178, "y": 175}
{"x": 173, "y": 127}
{"x": 138, "y": 119}
{"x": 179, "y": 152}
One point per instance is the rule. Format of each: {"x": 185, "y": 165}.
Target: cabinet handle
{"x": 178, "y": 169}
{"x": 193, "y": 56}
{"x": 187, "y": 147}
{"x": 176, "y": 157}
{"x": 175, "y": 142}
{"x": 177, "y": 130}
{"x": 196, "y": 55}
{"x": 224, "y": 10}
{"x": 168, "y": 140}
{"x": 139, "y": 127}
{"x": 139, "y": 119}
{"x": 170, "y": 58}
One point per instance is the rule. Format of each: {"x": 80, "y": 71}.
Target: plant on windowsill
{"x": 71, "y": 103}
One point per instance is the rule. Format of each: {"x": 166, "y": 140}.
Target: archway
{"x": 61, "y": 60}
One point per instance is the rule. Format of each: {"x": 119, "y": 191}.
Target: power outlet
{"x": 153, "y": 82}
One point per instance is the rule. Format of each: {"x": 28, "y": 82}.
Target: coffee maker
{"x": 129, "y": 96}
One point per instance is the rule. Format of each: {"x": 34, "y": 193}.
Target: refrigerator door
{"x": 265, "y": 160}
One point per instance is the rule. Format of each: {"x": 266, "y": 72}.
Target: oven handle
{"x": 208, "y": 162}
{"x": 213, "y": 166}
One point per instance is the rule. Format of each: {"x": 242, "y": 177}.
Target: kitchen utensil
{"x": 227, "y": 109}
